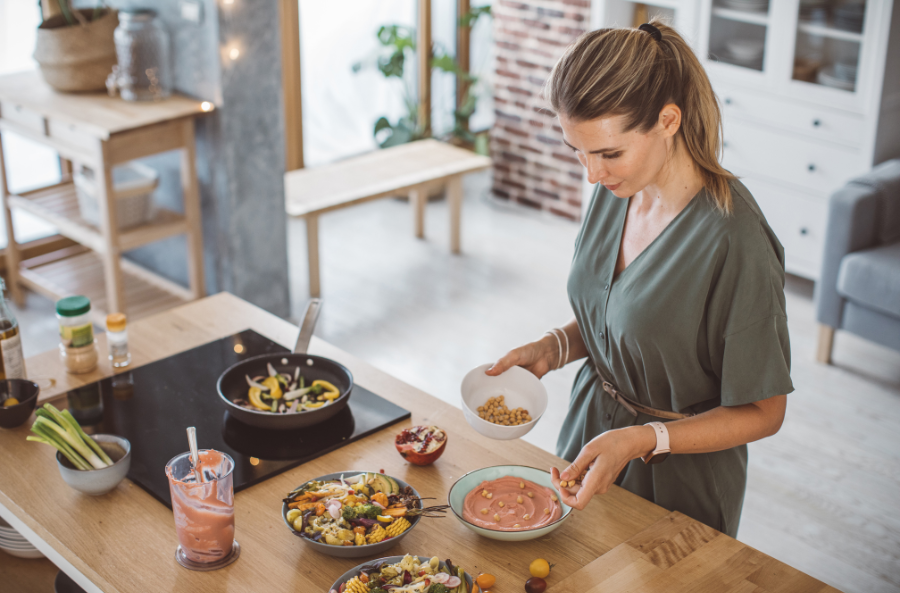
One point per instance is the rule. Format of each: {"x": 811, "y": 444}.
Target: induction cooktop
{"x": 152, "y": 406}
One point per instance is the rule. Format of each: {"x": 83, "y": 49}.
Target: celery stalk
{"x": 76, "y": 461}
{"x": 43, "y": 430}
{"x": 51, "y": 437}
{"x": 91, "y": 442}
{"x": 73, "y": 440}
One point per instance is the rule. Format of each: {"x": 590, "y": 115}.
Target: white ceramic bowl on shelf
{"x": 14, "y": 544}
{"x": 745, "y": 49}
{"x": 519, "y": 388}
{"x": 27, "y": 554}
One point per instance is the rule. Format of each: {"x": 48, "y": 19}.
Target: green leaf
{"x": 381, "y": 124}
{"x": 392, "y": 65}
{"x": 446, "y": 63}
{"x": 469, "y": 19}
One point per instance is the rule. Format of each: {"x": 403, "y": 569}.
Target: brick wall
{"x": 531, "y": 164}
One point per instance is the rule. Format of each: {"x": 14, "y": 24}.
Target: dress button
{"x": 609, "y": 416}
{"x": 606, "y": 287}
{"x": 601, "y": 335}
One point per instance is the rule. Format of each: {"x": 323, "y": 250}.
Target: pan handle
{"x": 308, "y": 325}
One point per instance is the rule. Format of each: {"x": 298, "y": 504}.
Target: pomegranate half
{"x": 421, "y": 445}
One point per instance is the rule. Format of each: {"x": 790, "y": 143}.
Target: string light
{"x": 234, "y": 53}
{"x": 207, "y": 106}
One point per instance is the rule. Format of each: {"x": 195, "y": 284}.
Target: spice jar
{"x": 117, "y": 339}
{"x": 77, "y": 349}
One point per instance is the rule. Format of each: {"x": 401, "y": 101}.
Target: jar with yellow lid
{"x": 77, "y": 348}
{"x": 117, "y": 339}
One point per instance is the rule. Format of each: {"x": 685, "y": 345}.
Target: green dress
{"x": 696, "y": 321}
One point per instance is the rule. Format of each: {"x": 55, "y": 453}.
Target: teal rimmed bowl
{"x": 471, "y": 480}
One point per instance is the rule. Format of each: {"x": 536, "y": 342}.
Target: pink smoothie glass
{"x": 203, "y": 505}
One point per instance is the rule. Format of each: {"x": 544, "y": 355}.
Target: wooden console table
{"x": 411, "y": 169}
{"x": 100, "y": 132}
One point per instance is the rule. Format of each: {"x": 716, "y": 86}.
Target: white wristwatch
{"x": 661, "y": 451}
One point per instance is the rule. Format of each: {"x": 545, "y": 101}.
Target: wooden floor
{"x": 824, "y": 493}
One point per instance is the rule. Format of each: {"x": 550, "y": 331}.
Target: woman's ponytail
{"x": 635, "y": 73}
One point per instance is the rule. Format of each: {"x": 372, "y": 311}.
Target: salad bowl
{"x": 356, "y": 551}
{"x": 471, "y": 480}
{"x": 347, "y": 576}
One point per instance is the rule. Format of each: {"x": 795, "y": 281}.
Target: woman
{"x": 677, "y": 284}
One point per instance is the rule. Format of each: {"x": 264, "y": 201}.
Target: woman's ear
{"x": 670, "y": 119}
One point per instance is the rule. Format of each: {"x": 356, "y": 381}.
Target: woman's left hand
{"x": 603, "y": 458}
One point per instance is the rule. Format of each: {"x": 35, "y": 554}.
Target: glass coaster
{"x": 205, "y": 567}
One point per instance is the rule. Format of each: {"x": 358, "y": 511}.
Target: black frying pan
{"x": 232, "y": 384}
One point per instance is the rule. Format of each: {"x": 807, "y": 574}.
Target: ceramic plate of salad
{"x": 405, "y": 574}
{"x": 355, "y": 513}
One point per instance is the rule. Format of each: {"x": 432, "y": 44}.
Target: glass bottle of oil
{"x": 12, "y": 363}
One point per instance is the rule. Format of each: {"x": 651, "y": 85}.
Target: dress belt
{"x": 633, "y": 407}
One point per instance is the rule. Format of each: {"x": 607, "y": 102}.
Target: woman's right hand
{"x": 539, "y": 357}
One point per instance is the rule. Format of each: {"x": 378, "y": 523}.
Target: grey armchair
{"x": 859, "y": 287}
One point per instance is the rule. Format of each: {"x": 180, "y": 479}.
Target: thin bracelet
{"x": 558, "y": 343}
{"x": 564, "y": 354}
{"x": 566, "y": 336}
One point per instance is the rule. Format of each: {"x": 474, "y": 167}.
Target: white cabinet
{"x": 810, "y": 96}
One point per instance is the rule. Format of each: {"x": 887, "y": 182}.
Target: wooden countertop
{"x": 96, "y": 113}
{"x": 125, "y": 541}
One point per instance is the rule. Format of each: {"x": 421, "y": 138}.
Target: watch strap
{"x": 662, "y": 450}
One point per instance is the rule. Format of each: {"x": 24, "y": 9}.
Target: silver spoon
{"x": 195, "y": 456}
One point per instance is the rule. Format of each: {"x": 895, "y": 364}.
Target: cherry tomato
{"x": 535, "y": 585}
{"x": 539, "y": 568}
{"x": 486, "y": 581}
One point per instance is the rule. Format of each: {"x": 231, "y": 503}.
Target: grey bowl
{"x": 353, "y": 551}
{"x": 99, "y": 481}
{"x": 391, "y": 560}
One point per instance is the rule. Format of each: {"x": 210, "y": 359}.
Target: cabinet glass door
{"x": 829, "y": 36}
{"x": 737, "y": 32}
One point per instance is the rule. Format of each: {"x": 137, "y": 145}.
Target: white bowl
{"x": 745, "y": 49}
{"x": 520, "y": 389}
{"x": 30, "y": 554}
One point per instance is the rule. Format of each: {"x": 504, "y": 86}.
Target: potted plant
{"x": 75, "y": 48}
{"x": 397, "y": 45}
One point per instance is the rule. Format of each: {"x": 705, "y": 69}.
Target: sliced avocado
{"x": 382, "y": 484}
{"x": 394, "y": 485}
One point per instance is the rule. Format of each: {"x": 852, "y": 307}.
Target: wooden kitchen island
{"x": 125, "y": 541}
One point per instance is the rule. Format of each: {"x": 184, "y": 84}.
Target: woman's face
{"x": 624, "y": 162}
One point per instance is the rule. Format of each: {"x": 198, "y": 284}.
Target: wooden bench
{"x": 414, "y": 169}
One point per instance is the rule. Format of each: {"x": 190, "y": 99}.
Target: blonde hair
{"x": 634, "y": 73}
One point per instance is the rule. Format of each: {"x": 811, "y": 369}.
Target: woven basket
{"x": 133, "y": 183}
{"x": 77, "y": 57}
